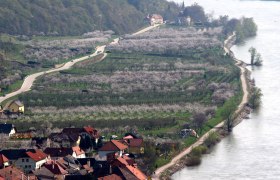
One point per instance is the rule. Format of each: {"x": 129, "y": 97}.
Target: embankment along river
{"x": 252, "y": 150}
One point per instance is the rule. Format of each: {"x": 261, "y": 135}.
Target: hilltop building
{"x": 155, "y": 19}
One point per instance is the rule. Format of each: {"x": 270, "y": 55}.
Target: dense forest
{"x": 75, "y": 17}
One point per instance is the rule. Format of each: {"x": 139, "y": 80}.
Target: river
{"x": 252, "y": 150}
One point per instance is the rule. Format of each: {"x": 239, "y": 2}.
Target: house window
{"x": 26, "y": 166}
{"x": 27, "y": 160}
{"x": 29, "y": 166}
{"x": 22, "y": 160}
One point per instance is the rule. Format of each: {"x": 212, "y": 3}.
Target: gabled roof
{"x": 135, "y": 142}
{"x": 137, "y": 173}
{"x": 156, "y": 16}
{"x": 36, "y": 155}
{"x": 121, "y": 160}
{"x": 91, "y": 131}
{"x": 12, "y": 172}
{"x": 72, "y": 130}
{"x": 58, "y": 152}
{"x": 14, "y": 154}
{"x": 3, "y": 159}
{"x": 44, "y": 173}
{"x": 55, "y": 168}
{"x": 71, "y": 137}
{"x": 18, "y": 102}
{"x": 6, "y": 128}
{"x": 113, "y": 145}
{"x": 78, "y": 150}
{"x": 110, "y": 177}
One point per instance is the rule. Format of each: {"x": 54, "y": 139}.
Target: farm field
{"x": 148, "y": 90}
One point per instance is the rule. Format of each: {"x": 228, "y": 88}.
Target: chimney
{"x": 52, "y": 165}
{"x": 110, "y": 170}
{"x": 88, "y": 162}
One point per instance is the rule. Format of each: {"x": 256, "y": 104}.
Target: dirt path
{"x": 29, "y": 80}
{"x": 173, "y": 162}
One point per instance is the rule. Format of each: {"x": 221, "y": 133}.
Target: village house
{"x": 64, "y": 139}
{"x": 155, "y": 19}
{"x": 51, "y": 170}
{"x": 7, "y": 129}
{"x": 15, "y": 106}
{"x": 14, "y": 173}
{"x": 135, "y": 145}
{"x": 27, "y": 160}
{"x": 70, "y": 137}
{"x": 56, "y": 153}
{"x": 126, "y": 170}
{"x": 113, "y": 146}
{"x": 4, "y": 162}
{"x": 63, "y": 168}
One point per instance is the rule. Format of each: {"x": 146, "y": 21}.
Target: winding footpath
{"x": 30, "y": 79}
{"x": 200, "y": 141}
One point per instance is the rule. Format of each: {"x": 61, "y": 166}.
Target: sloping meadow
{"x": 161, "y": 76}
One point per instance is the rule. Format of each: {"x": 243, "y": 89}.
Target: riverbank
{"x": 178, "y": 162}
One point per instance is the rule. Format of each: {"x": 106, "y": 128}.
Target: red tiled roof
{"x": 38, "y": 155}
{"x": 113, "y": 145}
{"x": 137, "y": 173}
{"x": 122, "y": 161}
{"x": 110, "y": 177}
{"x": 90, "y": 130}
{"x": 78, "y": 150}
{"x": 3, "y": 159}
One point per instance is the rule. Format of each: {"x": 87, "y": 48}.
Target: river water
{"x": 252, "y": 150}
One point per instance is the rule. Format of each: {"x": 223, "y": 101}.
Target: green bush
{"x": 193, "y": 161}
{"x": 198, "y": 151}
{"x": 212, "y": 139}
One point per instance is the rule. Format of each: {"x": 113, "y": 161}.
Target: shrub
{"x": 212, "y": 139}
{"x": 193, "y": 161}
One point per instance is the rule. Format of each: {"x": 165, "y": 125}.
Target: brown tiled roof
{"x": 55, "y": 168}
{"x": 110, "y": 177}
{"x": 13, "y": 173}
{"x": 113, "y": 145}
{"x": 91, "y": 131}
{"x": 58, "y": 152}
{"x": 38, "y": 155}
{"x": 73, "y": 130}
{"x": 135, "y": 142}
